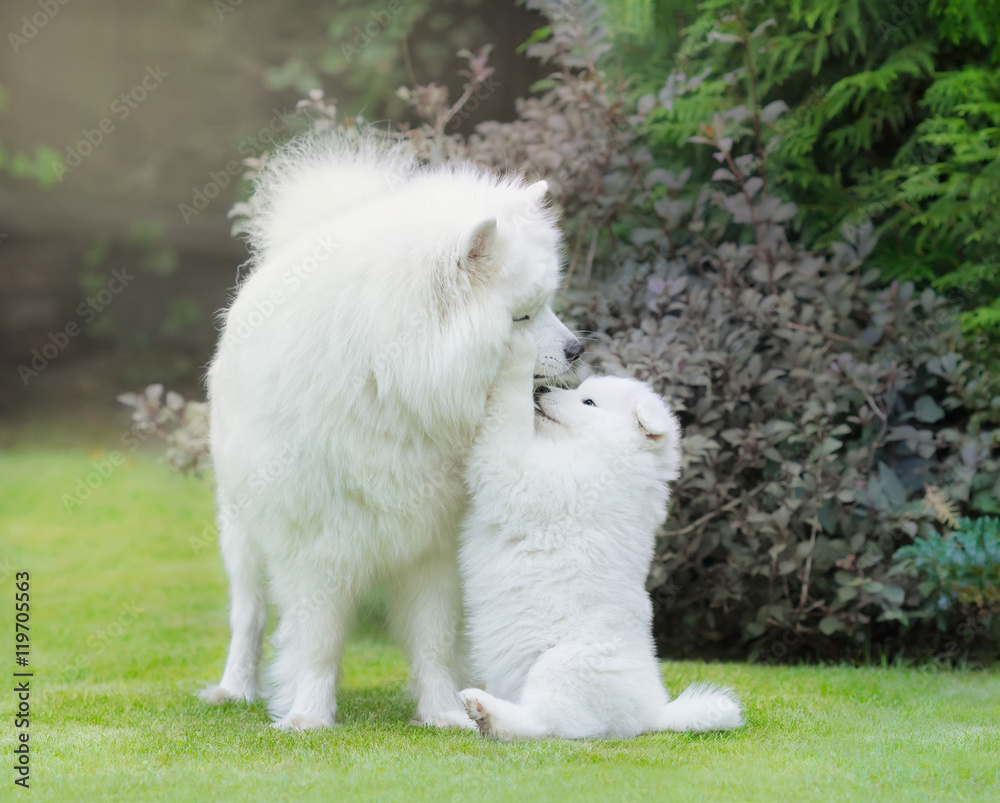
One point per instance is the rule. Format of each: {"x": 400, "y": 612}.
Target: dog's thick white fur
{"x": 567, "y": 494}
{"x": 349, "y": 381}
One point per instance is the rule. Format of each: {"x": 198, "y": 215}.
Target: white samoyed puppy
{"x": 568, "y": 488}
{"x": 349, "y": 381}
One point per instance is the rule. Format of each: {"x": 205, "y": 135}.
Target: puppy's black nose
{"x": 541, "y": 389}
{"x": 573, "y": 350}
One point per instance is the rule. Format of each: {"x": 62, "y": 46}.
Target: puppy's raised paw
{"x": 473, "y": 700}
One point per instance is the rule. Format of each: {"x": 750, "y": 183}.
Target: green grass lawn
{"x": 128, "y": 621}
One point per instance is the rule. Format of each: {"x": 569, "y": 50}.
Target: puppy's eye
{"x": 589, "y": 402}
{"x": 522, "y": 318}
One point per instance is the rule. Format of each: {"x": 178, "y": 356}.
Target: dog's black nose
{"x": 541, "y": 389}
{"x": 573, "y": 350}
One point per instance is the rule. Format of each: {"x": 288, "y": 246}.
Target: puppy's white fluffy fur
{"x": 554, "y": 556}
{"x": 348, "y": 384}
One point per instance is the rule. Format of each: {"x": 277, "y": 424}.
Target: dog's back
{"x": 315, "y": 178}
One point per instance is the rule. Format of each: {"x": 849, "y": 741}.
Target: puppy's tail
{"x": 702, "y": 707}
{"x": 318, "y": 176}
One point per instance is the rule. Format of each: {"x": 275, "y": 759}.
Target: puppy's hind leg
{"x": 247, "y": 615}
{"x": 501, "y": 719}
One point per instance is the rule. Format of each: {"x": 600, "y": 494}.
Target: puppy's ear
{"x": 536, "y": 192}
{"x": 481, "y": 247}
{"x": 652, "y": 419}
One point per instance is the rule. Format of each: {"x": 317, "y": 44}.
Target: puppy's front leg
{"x": 508, "y": 426}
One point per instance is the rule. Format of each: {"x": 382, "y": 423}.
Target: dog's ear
{"x": 480, "y": 246}
{"x": 536, "y": 192}
{"x": 653, "y": 421}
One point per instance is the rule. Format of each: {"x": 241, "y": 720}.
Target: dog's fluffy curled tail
{"x": 702, "y": 707}
{"x": 316, "y": 177}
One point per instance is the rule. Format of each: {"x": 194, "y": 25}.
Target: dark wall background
{"x": 119, "y": 208}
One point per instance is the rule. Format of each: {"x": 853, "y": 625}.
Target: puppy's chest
{"x": 578, "y": 552}
{"x": 545, "y": 596}
{"x": 543, "y": 570}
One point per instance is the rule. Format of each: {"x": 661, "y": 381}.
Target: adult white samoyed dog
{"x": 348, "y": 385}
{"x": 567, "y": 493}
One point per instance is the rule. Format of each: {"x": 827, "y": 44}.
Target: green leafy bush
{"x": 962, "y": 568}
{"x": 946, "y": 185}
{"x": 894, "y": 120}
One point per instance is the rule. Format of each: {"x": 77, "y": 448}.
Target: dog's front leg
{"x": 424, "y": 606}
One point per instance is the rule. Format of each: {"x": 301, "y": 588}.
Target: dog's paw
{"x": 300, "y": 722}
{"x": 479, "y": 713}
{"x": 216, "y": 695}
{"x": 448, "y": 719}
